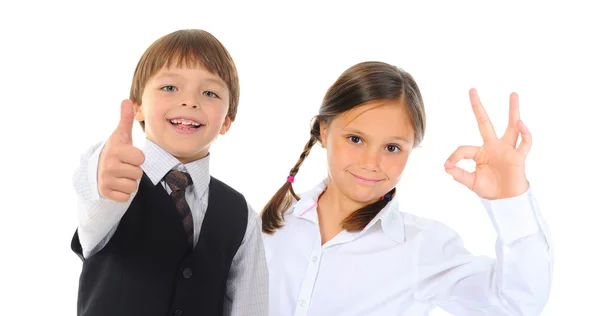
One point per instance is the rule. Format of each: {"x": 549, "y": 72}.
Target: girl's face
{"x": 367, "y": 149}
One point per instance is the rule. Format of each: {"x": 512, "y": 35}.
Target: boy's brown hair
{"x": 189, "y": 48}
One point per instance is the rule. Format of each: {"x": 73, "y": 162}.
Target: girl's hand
{"x": 500, "y": 164}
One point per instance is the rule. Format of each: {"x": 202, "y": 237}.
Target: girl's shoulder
{"x": 426, "y": 228}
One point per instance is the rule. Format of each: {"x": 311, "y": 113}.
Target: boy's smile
{"x": 184, "y": 110}
{"x": 185, "y": 125}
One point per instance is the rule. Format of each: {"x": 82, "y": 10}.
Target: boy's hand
{"x": 119, "y": 165}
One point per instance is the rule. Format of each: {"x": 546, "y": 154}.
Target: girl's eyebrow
{"x": 395, "y": 137}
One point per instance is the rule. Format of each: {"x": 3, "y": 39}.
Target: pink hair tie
{"x": 290, "y": 179}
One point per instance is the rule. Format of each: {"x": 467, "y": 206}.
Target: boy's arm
{"x": 247, "y": 285}
{"x": 97, "y": 216}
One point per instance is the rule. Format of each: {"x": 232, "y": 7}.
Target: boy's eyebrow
{"x": 175, "y": 75}
{"x": 167, "y": 74}
{"x": 219, "y": 82}
{"x": 400, "y": 138}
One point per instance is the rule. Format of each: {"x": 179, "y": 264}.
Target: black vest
{"x": 148, "y": 268}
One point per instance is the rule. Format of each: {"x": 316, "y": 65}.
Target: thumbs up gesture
{"x": 119, "y": 165}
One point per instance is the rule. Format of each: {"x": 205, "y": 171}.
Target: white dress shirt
{"x": 247, "y": 284}
{"x": 401, "y": 264}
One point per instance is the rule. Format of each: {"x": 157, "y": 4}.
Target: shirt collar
{"x": 158, "y": 162}
{"x": 389, "y": 218}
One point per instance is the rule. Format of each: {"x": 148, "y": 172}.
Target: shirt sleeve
{"x": 517, "y": 282}
{"x": 97, "y": 216}
{"x": 247, "y": 285}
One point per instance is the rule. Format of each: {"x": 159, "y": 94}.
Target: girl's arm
{"x": 516, "y": 283}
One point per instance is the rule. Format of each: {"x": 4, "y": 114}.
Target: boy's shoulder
{"x": 224, "y": 186}
{"x": 224, "y": 190}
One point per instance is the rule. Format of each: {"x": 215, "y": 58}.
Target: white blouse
{"x": 401, "y": 264}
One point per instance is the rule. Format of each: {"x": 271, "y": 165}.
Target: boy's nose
{"x": 193, "y": 106}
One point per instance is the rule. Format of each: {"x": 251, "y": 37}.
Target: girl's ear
{"x": 323, "y": 133}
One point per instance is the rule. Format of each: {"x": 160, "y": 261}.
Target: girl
{"x": 344, "y": 248}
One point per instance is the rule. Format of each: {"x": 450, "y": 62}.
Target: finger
{"x": 462, "y": 176}
{"x": 122, "y": 185}
{"x": 127, "y": 171}
{"x": 131, "y": 155}
{"x": 526, "y": 139}
{"x": 512, "y": 132}
{"x": 462, "y": 152}
{"x": 117, "y": 196}
{"x": 126, "y": 121}
{"x": 486, "y": 129}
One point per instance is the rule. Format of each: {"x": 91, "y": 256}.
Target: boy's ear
{"x": 137, "y": 112}
{"x": 226, "y": 125}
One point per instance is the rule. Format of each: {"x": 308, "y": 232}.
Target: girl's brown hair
{"x": 361, "y": 83}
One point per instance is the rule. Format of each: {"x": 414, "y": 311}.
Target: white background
{"x": 65, "y": 67}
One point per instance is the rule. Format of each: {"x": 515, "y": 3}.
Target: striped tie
{"x": 178, "y": 181}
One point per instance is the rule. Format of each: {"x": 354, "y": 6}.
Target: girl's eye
{"x": 169, "y": 88}
{"x": 392, "y": 148}
{"x": 355, "y": 139}
{"x": 210, "y": 94}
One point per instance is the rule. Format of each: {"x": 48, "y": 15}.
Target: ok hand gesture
{"x": 500, "y": 163}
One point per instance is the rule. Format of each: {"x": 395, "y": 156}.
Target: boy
{"x": 157, "y": 234}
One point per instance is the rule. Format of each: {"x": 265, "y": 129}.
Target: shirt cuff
{"x": 513, "y": 218}
{"x": 93, "y": 173}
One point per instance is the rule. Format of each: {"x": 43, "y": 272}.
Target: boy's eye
{"x": 392, "y": 148}
{"x": 354, "y": 139}
{"x": 210, "y": 94}
{"x": 169, "y": 88}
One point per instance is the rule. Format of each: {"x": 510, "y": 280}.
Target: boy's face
{"x": 367, "y": 150}
{"x": 184, "y": 110}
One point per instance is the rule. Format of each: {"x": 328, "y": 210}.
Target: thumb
{"x": 462, "y": 176}
{"x": 126, "y": 122}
